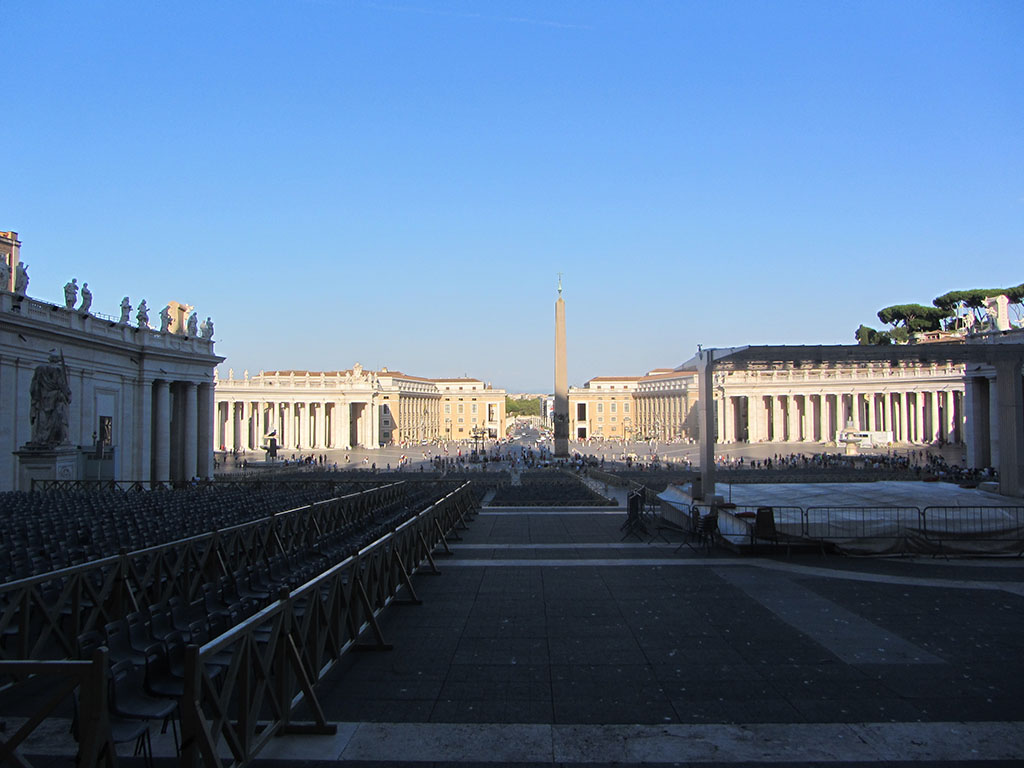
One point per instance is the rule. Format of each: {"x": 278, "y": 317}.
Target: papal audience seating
{"x": 43, "y": 532}
{"x": 146, "y": 648}
{"x": 546, "y": 488}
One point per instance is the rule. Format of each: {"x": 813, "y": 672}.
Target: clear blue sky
{"x": 397, "y": 182}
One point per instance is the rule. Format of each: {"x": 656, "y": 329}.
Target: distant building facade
{"x": 353, "y": 408}
{"x": 915, "y": 404}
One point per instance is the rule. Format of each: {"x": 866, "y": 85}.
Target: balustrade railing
{"x": 86, "y": 683}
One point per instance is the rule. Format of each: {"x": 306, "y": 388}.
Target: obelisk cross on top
{"x": 561, "y": 379}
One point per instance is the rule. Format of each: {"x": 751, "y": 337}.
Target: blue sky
{"x": 397, "y": 182}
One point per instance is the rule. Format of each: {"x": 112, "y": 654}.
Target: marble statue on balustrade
{"x": 206, "y": 329}
{"x": 165, "y": 319}
{"x": 5, "y": 274}
{"x": 997, "y": 313}
{"x": 193, "y": 325}
{"x": 50, "y": 396}
{"x": 86, "y": 299}
{"x": 126, "y": 310}
{"x": 143, "y": 315}
{"x": 71, "y": 293}
{"x": 21, "y": 279}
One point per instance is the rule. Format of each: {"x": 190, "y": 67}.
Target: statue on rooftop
{"x": 193, "y": 325}
{"x": 50, "y": 396}
{"x": 143, "y": 315}
{"x": 126, "y": 308}
{"x": 5, "y": 275}
{"x": 86, "y": 299}
{"x": 206, "y": 330}
{"x": 21, "y": 279}
{"x": 71, "y": 293}
{"x": 165, "y": 319}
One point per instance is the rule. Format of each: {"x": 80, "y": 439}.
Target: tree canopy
{"x": 914, "y": 317}
{"x": 907, "y": 319}
{"x": 529, "y": 407}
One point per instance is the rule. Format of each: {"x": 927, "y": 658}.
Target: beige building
{"x": 469, "y": 405}
{"x": 603, "y": 408}
{"x": 321, "y": 410}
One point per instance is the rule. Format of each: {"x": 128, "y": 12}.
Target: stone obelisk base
{"x": 56, "y": 463}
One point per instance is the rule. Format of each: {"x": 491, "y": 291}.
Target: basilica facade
{"x": 141, "y": 398}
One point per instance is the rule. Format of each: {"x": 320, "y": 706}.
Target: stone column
{"x": 756, "y": 428}
{"x": 823, "y": 422}
{"x": 778, "y": 417}
{"x": 161, "y": 431}
{"x": 792, "y": 422}
{"x": 919, "y": 417}
{"x": 190, "y": 447}
{"x": 993, "y": 421}
{"x": 302, "y": 431}
{"x": 345, "y": 425}
{"x": 204, "y": 461}
{"x": 145, "y": 394}
{"x": 321, "y": 425}
{"x": 1010, "y": 396}
{"x": 977, "y": 405}
{"x": 374, "y": 413}
{"x": 724, "y": 411}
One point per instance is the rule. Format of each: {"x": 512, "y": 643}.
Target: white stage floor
{"x": 885, "y": 493}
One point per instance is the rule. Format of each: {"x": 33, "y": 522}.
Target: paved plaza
{"x": 546, "y": 640}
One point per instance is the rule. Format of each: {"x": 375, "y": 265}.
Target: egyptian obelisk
{"x": 561, "y": 379}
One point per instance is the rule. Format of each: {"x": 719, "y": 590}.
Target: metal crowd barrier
{"x": 42, "y": 616}
{"x": 242, "y": 688}
{"x": 864, "y": 528}
{"x": 968, "y": 530}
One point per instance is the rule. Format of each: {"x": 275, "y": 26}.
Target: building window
{"x": 614, "y": 419}
{"x": 447, "y": 407}
{"x": 461, "y": 409}
{"x": 474, "y": 407}
{"x": 625, "y": 407}
{"x": 461, "y": 419}
{"x": 600, "y": 407}
{"x": 600, "y": 419}
{"x": 614, "y": 407}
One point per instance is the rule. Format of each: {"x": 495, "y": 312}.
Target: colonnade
{"x": 661, "y": 415}
{"x": 297, "y": 424}
{"x": 182, "y": 434}
{"x": 918, "y": 416}
{"x": 418, "y": 418}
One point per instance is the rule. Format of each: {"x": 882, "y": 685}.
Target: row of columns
{"x": 662, "y": 416}
{"x": 182, "y": 433}
{"x": 298, "y": 425}
{"x": 911, "y": 417}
